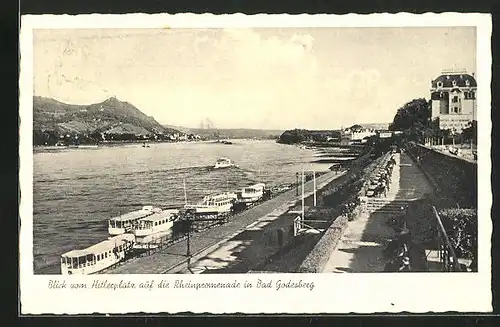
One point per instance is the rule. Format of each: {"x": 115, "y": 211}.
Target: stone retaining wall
{"x": 454, "y": 178}
{"x": 317, "y": 259}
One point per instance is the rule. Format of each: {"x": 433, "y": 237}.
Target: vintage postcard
{"x": 255, "y": 164}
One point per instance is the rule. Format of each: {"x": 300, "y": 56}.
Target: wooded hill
{"x": 111, "y": 119}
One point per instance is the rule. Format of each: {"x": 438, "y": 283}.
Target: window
{"x": 454, "y": 99}
{"x": 106, "y": 254}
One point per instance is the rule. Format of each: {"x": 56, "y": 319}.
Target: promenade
{"x": 361, "y": 246}
{"x": 173, "y": 258}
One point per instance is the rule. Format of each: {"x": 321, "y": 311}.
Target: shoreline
{"x": 149, "y": 142}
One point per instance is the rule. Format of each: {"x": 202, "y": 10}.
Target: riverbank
{"x": 173, "y": 259}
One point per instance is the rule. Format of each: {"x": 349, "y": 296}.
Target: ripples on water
{"x": 76, "y": 191}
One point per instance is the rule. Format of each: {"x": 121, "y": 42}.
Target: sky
{"x": 313, "y": 78}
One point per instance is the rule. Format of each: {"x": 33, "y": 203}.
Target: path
{"x": 360, "y": 248}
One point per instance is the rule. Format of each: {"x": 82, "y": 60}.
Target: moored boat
{"x": 158, "y": 222}
{"x": 220, "y": 203}
{"x": 123, "y": 223}
{"x": 97, "y": 257}
{"x": 251, "y": 193}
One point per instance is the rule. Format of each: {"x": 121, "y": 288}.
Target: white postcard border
{"x": 332, "y": 293}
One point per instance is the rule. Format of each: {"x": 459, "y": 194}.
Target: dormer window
{"x": 440, "y": 84}
{"x": 467, "y": 82}
{"x": 454, "y": 83}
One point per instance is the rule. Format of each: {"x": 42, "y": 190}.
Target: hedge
{"x": 316, "y": 261}
{"x": 461, "y": 227}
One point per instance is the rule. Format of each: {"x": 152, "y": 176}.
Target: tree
{"x": 469, "y": 133}
{"x": 413, "y": 112}
{"x": 293, "y": 136}
{"x": 414, "y": 119}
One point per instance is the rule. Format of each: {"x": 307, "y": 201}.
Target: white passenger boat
{"x": 220, "y": 203}
{"x": 159, "y": 222}
{"x": 97, "y": 257}
{"x": 123, "y": 223}
{"x": 252, "y": 193}
{"x": 223, "y": 163}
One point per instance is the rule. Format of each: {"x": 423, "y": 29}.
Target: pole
{"x": 303, "y": 209}
{"x": 188, "y": 252}
{"x": 297, "y": 183}
{"x": 314, "y": 185}
{"x": 185, "y": 194}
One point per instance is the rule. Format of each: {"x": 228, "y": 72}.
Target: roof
{"x": 220, "y": 196}
{"x": 102, "y": 246}
{"x": 133, "y": 215}
{"x": 160, "y": 215}
{"x": 259, "y": 185}
{"x": 459, "y": 78}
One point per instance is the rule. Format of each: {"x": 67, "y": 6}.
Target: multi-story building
{"x": 349, "y": 136}
{"x": 453, "y": 96}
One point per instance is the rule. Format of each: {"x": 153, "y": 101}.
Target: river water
{"x": 76, "y": 191}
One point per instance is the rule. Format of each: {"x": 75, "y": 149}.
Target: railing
{"x": 447, "y": 256}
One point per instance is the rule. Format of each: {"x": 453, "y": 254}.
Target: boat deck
{"x": 167, "y": 259}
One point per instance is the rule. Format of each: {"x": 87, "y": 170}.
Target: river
{"x": 75, "y": 191}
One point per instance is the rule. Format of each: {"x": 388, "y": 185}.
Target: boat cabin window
{"x": 143, "y": 224}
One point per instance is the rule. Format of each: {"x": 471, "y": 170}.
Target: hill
{"x": 376, "y": 126}
{"x": 229, "y": 133}
{"x": 111, "y": 119}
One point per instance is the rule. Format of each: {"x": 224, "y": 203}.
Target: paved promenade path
{"x": 166, "y": 259}
{"x": 360, "y": 248}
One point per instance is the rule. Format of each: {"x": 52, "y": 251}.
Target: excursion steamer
{"x": 97, "y": 257}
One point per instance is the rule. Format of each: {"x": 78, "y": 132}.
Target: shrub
{"x": 461, "y": 227}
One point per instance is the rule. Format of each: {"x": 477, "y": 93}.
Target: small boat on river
{"x": 223, "y": 163}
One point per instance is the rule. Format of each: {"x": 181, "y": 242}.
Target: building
{"x": 453, "y": 96}
{"x": 355, "y": 135}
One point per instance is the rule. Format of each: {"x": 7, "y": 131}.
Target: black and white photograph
{"x": 257, "y": 150}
